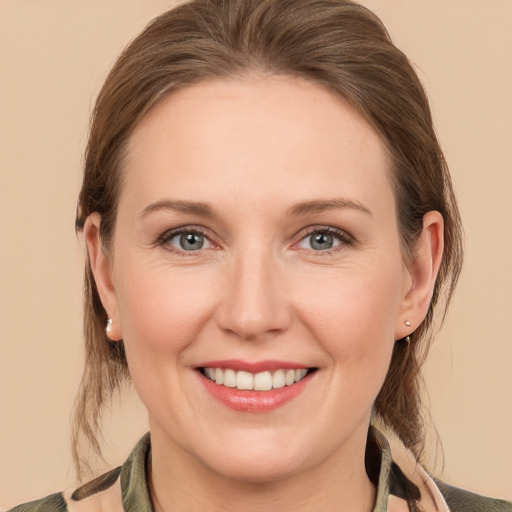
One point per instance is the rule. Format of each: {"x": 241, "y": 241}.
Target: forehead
{"x": 259, "y": 134}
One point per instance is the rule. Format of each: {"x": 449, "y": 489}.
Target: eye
{"x": 323, "y": 239}
{"x": 189, "y": 241}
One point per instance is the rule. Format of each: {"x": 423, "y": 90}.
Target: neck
{"x": 180, "y": 483}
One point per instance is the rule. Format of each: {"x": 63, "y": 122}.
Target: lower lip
{"x": 254, "y": 401}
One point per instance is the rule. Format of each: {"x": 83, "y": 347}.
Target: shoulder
{"x": 111, "y": 491}
{"x": 460, "y": 500}
{"x": 102, "y": 493}
{"x": 52, "y": 503}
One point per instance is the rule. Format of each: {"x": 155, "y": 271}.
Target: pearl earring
{"x": 408, "y": 337}
{"x": 108, "y": 329}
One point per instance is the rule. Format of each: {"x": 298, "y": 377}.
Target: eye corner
{"x": 181, "y": 240}
{"x": 331, "y": 238}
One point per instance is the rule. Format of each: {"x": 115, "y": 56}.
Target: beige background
{"x": 54, "y": 55}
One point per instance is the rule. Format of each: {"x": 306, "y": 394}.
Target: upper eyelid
{"x": 307, "y": 231}
{"x": 346, "y": 241}
{"x": 166, "y": 236}
{"x": 170, "y": 233}
{"x": 164, "y": 239}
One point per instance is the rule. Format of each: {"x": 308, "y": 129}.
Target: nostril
{"x": 252, "y": 305}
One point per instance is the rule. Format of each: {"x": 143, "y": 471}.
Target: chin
{"x": 251, "y": 457}
{"x": 257, "y": 470}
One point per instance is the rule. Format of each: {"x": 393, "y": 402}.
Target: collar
{"x": 400, "y": 469}
{"x": 389, "y": 463}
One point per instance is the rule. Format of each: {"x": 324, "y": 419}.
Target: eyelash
{"x": 166, "y": 237}
{"x": 344, "y": 238}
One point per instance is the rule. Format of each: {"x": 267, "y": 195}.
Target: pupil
{"x": 191, "y": 241}
{"x": 322, "y": 241}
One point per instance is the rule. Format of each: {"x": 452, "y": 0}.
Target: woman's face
{"x": 256, "y": 235}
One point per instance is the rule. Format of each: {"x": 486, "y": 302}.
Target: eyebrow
{"x": 190, "y": 207}
{"x": 303, "y": 208}
{"x": 321, "y": 205}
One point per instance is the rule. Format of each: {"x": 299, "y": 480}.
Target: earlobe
{"x": 102, "y": 271}
{"x": 423, "y": 270}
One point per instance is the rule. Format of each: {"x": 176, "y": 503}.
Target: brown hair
{"x": 336, "y": 43}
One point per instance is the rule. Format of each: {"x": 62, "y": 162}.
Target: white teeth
{"x": 263, "y": 381}
{"x": 300, "y": 374}
{"x": 244, "y": 380}
{"x": 230, "y": 378}
{"x": 278, "y": 379}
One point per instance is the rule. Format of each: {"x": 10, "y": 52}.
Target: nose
{"x": 253, "y": 304}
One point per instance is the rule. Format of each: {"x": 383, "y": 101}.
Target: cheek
{"x": 162, "y": 310}
{"x": 353, "y": 312}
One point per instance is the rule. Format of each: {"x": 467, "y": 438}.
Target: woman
{"x": 269, "y": 223}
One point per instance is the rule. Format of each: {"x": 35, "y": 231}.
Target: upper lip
{"x": 253, "y": 366}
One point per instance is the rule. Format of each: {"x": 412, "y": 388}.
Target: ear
{"x": 423, "y": 270}
{"x": 102, "y": 270}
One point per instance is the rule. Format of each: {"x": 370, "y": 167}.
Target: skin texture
{"x": 252, "y": 150}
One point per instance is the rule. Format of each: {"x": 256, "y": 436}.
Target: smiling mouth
{"x": 262, "y": 381}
